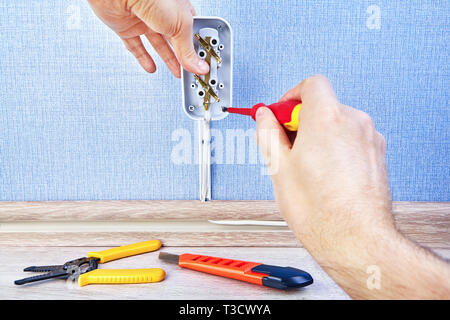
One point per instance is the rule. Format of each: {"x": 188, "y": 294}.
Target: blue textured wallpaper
{"x": 79, "y": 119}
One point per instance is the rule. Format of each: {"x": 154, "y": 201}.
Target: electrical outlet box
{"x": 204, "y": 96}
{"x": 213, "y": 42}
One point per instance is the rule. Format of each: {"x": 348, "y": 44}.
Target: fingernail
{"x": 203, "y": 66}
{"x": 261, "y": 112}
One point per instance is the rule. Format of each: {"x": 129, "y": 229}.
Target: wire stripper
{"x": 86, "y": 269}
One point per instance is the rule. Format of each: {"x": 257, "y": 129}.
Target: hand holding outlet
{"x": 162, "y": 22}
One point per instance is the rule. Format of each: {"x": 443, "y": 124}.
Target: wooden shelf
{"x": 424, "y": 222}
{"x": 51, "y": 232}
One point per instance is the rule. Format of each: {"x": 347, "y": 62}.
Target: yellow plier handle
{"x": 125, "y": 251}
{"x": 111, "y": 276}
{"x": 121, "y": 276}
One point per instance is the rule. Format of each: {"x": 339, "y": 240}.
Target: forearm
{"x": 382, "y": 264}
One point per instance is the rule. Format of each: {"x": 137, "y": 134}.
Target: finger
{"x": 165, "y": 52}
{"x": 312, "y": 90}
{"x": 271, "y": 139}
{"x": 381, "y": 142}
{"x": 183, "y": 45}
{"x": 291, "y": 94}
{"x": 191, "y": 7}
{"x": 318, "y": 102}
{"x": 173, "y": 19}
{"x": 134, "y": 29}
{"x": 135, "y": 46}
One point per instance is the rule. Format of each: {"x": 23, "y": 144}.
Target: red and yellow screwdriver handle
{"x": 286, "y": 112}
{"x": 111, "y": 276}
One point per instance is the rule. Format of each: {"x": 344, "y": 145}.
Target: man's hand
{"x": 163, "y": 22}
{"x": 336, "y": 162}
{"x": 331, "y": 186}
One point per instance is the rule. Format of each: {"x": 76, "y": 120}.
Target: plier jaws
{"x": 71, "y": 268}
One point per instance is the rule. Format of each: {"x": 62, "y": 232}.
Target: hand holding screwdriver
{"x": 331, "y": 186}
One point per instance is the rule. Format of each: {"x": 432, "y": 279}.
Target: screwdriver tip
{"x": 224, "y": 109}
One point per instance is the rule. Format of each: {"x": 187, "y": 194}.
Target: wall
{"x": 79, "y": 119}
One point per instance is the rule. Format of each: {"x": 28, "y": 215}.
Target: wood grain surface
{"x": 127, "y": 210}
{"x": 426, "y": 223}
{"x": 34, "y": 233}
{"x": 179, "y": 283}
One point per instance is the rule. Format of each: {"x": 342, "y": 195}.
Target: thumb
{"x": 271, "y": 139}
{"x": 183, "y": 45}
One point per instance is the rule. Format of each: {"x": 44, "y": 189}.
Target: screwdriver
{"x": 286, "y": 112}
{"x": 253, "y": 272}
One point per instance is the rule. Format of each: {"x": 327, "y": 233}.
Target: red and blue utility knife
{"x": 253, "y": 272}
